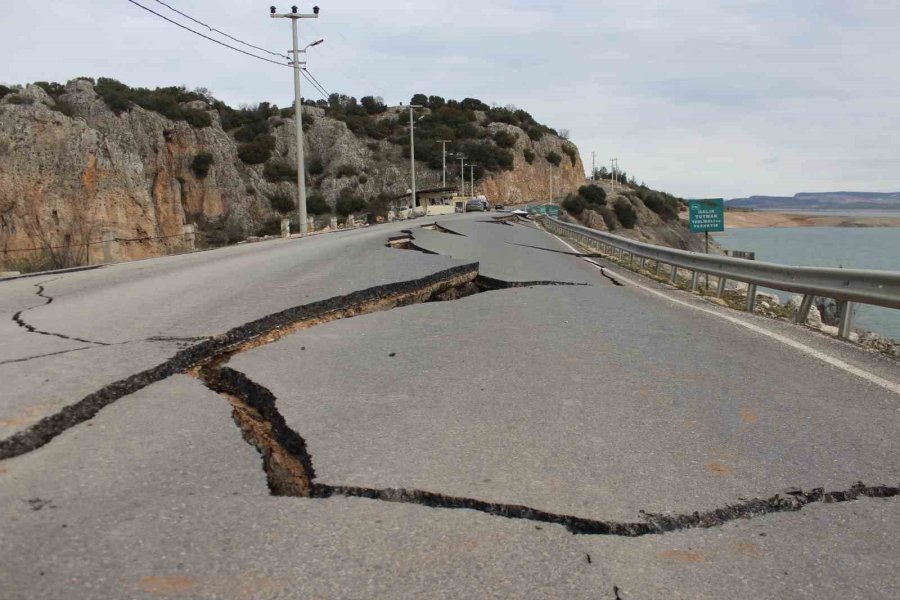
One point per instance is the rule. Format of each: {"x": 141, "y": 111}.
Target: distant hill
{"x": 824, "y": 200}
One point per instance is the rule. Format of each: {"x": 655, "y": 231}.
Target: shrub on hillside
{"x": 20, "y": 99}
{"x": 316, "y": 205}
{"x": 504, "y": 139}
{"x": 282, "y": 202}
{"x": 5, "y": 91}
{"x": 529, "y": 156}
{"x": 554, "y": 158}
{"x": 201, "y": 164}
{"x": 346, "y": 170}
{"x": 197, "y": 118}
{"x": 279, "y": 171}
{"x": 348, "y": 203}
{"x": 258, "y": 151}
{"x": 575, "y": 205}
{"x": 609, "y": 217}
{"x": 665, "y": 205}
{"x": 593, "y": 194}
{"x": 625, "y": 213}
{"x": 571, "y": 151}
{"x": 315, "y": 166}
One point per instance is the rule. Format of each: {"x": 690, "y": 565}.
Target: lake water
{"x": 848, "y": 247}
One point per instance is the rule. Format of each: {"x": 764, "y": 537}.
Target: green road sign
{"x": 707, "y": 215}
{"x": 553, "y": 210}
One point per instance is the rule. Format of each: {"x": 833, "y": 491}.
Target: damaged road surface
{"x": 457, "y": 414}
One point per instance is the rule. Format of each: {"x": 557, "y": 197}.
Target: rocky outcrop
{"x": 72, "y": 169}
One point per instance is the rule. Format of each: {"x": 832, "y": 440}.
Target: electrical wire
{"x": 206, "y": 36}
{"x": 320, "y": 86}
{"x": 219, "y": 31}
{"x": 324, "y": 93}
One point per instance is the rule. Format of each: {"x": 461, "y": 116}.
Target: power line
{"x": 322, "y": 92}
{"x": 320, "y": 86}
{"x": 206, "y": 36}
{"x": 219, "y": 31}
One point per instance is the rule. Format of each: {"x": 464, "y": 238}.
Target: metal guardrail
{"x": 846, "y": 286}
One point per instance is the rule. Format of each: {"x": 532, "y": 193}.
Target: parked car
{"x": 475, "y": 205}
{"x": 499, "y": 208}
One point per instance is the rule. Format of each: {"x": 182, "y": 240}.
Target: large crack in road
{"x": 286, "y": 461}
{"x": 20, "y": 321}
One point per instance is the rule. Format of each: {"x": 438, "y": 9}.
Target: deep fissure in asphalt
{"x": 286, "y": 461}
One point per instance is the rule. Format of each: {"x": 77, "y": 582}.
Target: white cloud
{"x": 696, "y": 96}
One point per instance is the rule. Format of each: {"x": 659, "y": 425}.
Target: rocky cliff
{"x": 73, "y": 169}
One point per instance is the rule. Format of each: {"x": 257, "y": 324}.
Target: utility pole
{"x": 412, "y": 150}
{"x": 593, "y": 166}
{"x": 462, "y": 174}
{"x": 443, "y": 144}
{"x": 472, "y": 177}
{"x": 294, "y": 16}
{"x": 614, "y": 164}
{"x": 551, "y": 185}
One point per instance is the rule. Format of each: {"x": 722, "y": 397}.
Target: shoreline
{"x": 758, "y": 219}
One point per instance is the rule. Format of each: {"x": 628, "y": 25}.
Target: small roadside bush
{"x": 316, "y": 205}
{"x": 5, "y": 91}
{"x": 625, "y": 213}
{"x": 281, "y": 202}
{"x": 197, "y": 118}
{"x": 529, "y": 156}
{"x": 575, "y": 205}
{"x": 258, "y": 151}
{"x": 346, "y": 171}
{"x": 348, "y": 203}
{"x": 279, "y": 171}
{"x": 201, "y": 164}
{"x": 63, "y": 108}
{"x": 554, "y": 158}
{"x": 363, "y": 179}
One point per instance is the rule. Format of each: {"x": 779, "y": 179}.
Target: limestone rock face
{"x": 71, "y": 171}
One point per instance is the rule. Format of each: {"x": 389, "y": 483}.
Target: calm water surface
{"x": 848, "y": 247}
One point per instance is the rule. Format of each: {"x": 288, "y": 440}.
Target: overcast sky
{"x": 700, "y": 98}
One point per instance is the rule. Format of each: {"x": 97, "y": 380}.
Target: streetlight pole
{"x": 412, "y": 150}
{"x": 472, "y": 177}
{"x": 294, "y": 16}
{"x": 443, "y": 144}
{"x": 462, "y": 174}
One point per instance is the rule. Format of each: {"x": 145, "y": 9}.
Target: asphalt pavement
{"x": 541, "y": 432}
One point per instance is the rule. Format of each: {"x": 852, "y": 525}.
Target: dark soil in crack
{"x": 449, "y": 284}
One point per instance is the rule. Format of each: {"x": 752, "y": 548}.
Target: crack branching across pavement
{"x": 17, "y": 318}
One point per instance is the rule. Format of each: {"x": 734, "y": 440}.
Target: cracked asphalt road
{"x": 597, "y": 402}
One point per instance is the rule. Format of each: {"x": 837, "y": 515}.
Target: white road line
{"x": 826, "y": 358}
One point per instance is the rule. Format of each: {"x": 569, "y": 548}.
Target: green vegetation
{"x": 277, "y": 171}
{"x": 505, "y": 139}
{"x": 165, "y": 101}
{"x": 282, "y": 203}
{"x": 625, "y": 213}
{"x": 593, "y": 194}
{"x": 5, "y": 91}
{"x": 663, "y": 204}
{"x": 571, "y": 151}
{"x": 529, "y": 156}
{"x": 554, "y": 158}
{"x": 574, "y": 205}
{"x": 609, "y": 217}
{"x": 257, "y": 151}
{"x": 348, "y": 203}
{"x": 316, "y": 205}
{"x": 19, "y": 99}
{"x": 201, "y": 164}
{"x": 346, "y": 170}
{"x": 315, "y": 166}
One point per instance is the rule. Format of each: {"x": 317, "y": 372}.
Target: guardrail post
{"x": 751, "y": 297}
{"x": 658, "y": 267}
{"x": 846, "y": 319}
{"x": 643, "y": 263}
{"x": 674, "y": 274}
{"x": 285, "y": 228}
{"x": 720, "y": 290}
{"x": 694, "y": 277}
{"x": 803, "y": 312}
